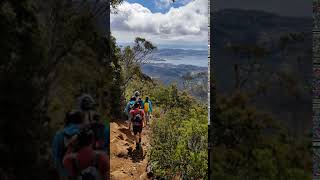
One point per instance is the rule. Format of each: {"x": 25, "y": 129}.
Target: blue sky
{"x": 153, "y": 5}
{"x": 183, "y": 23}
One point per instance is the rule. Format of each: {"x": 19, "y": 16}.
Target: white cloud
{"x": 187, "y": 23}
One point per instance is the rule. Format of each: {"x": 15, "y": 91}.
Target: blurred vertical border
{"x": 316, "y": 89}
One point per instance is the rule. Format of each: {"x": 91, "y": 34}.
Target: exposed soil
{"x": 126, "y": 162}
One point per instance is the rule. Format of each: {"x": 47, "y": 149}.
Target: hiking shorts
{"x": 137, "y": 129}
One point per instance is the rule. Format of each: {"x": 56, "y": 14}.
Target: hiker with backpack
{"x": 86, "y": 104}
{"x": 128, "y": 108}
{"x": 137, "y": 118}
{"x": 73, "y": 124}
{"x": 84, "y": 117}
{"x": 147, "y": 109}
{"x": 82, "y": 161}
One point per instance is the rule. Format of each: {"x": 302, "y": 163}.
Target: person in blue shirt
{"x": 128, "y": 108}
{"x": 72, "y": 126}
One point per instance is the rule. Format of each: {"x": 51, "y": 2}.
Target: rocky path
{"x": 127, "y": 163}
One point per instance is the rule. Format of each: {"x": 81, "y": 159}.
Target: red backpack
{"x": 137, "y": 119}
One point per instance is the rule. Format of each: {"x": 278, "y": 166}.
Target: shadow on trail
{"x": 136, "y": 155}
{"x": 119, "y": 122}
{"x": 127, "y": 132}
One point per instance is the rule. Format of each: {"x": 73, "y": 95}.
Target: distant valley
{"x": 169, "y": 73}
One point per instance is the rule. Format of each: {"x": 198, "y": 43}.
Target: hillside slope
{"x": 240, "y": 27}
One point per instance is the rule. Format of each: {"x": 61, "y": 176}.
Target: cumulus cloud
{"x": 185, "y": 23}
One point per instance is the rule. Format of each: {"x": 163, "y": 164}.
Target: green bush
{"x": 156, "y": 112}
{"x": 179, "y": 139}
{"x": 249, "y": 144}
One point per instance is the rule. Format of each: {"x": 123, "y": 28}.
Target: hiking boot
{"x": 138, "y": 146}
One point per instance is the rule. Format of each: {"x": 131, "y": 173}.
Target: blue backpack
{"x": 59, "y": 146}
{"x": 130, "y": 107}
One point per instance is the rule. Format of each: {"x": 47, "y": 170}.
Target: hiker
{"x": 73, "y": 123}
{"x": 128, "y": 108}
{"x": 137, "y": 117}
{"x": 87, "y": 105}
{"x": 147, "y": 109}
{"x": 137, "y": 95}
{"x": 85, "y": 116}
{"x": 82, "y": 161}
{"x": 141, "y": 103}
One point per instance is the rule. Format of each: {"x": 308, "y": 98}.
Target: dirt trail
{"x": 127, "y": 163}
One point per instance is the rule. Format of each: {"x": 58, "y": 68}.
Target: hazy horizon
{"x": 291, "y": 8}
